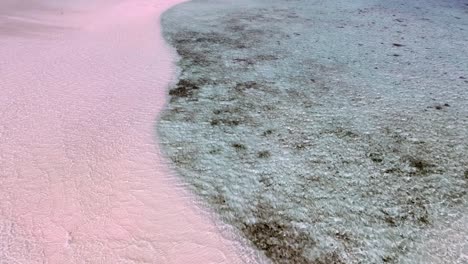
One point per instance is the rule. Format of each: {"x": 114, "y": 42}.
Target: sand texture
{"x": 82, "y": 179}
{"x": 326, "y": 131}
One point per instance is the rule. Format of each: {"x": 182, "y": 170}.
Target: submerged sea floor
{"x": 326, "y": 131}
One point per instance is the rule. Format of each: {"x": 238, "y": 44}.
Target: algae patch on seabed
{"x": 299, "y": 125}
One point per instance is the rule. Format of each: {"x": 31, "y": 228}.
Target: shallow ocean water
{"x": 318, "y": 131}
{"x": 326, "y": 131}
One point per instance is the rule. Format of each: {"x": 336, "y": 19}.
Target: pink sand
{"x": 81, "y": 178}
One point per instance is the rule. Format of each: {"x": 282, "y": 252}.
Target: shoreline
{"x": 82, "y": 178}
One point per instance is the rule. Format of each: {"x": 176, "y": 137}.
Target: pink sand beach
{"x": 82, "y": 179}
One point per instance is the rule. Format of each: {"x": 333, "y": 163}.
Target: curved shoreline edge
{"x": 319, "y": 130}
{"x": 81, "y": 177}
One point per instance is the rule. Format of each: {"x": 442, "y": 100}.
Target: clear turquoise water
{"x": 326, "y": 131}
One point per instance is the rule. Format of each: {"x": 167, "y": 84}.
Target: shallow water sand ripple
{"x": 81, "y": 180}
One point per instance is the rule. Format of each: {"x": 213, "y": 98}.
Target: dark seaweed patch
{"x": 422, "y": 166}
{"x": 267, "y": 132}
{"x": 194, "y": 57}
{"x": 225, "y": 121}
{"x": 193, "y": 37}
{"x": 245, "y": 61}
{"x": 412, "y": 211}
{"x": 376, "y": 157}
{"x": 239, "y": 146}
{"x": 184, "y": 88}
{"x": 264, "y": 154}
{"x": 283, "y": 243}
{"x": 278, "y": 240}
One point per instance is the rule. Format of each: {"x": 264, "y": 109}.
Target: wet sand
{"x": 81, "y": 177}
